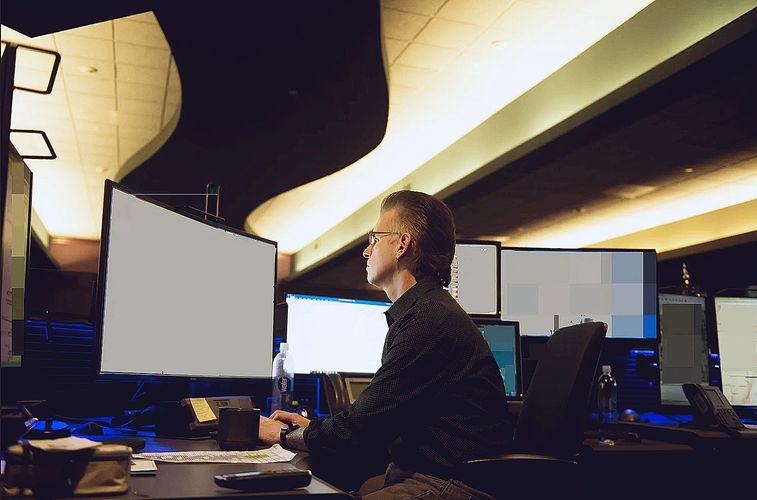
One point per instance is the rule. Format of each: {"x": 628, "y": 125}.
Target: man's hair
{"x": 432, "y": 229}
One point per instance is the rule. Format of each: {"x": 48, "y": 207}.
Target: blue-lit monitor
{"x": 475, "y": 277}
{"x": 684, "y": 354}
{"x": 503, "y": 338}
{"x": 180, "y": 296}
{"x": 330, "y": 334}
{"x": 545, "y": 289}
{"x": 736, "y": 319}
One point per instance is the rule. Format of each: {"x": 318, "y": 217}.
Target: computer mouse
{"x": 629, "y": 415}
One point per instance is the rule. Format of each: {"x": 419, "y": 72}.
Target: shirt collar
{"x": 407, "y": 299}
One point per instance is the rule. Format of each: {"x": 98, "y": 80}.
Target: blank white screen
{"x": 474, "y": 278}
{"x": 340, "y": 335}
{"x": 736, "y": 319}
{"x": 184, "y": 298}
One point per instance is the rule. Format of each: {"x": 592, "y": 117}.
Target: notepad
{"x": 143, "y": 467}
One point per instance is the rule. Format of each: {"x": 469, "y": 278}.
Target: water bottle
{"x": 607, "y": 400}
{"x": 283, "y": 380}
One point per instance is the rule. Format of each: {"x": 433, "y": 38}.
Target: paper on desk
{"x": 142, "y": 467}
{"x": 71, "y": 443}
{"x": 270, "y": 455}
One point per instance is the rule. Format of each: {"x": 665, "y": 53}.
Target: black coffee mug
{"x": 238, "y": 428}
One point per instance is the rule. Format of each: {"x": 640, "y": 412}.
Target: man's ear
{"x": 404, "y": 246}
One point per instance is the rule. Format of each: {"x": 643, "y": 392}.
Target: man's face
{"x": 382, "y": 256}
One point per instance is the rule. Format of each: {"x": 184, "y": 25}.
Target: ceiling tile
{"x": 71, "y": 45}
{"x": 393, "y": 48}
{"x": 400, "y": 95}
{"x": 134, "y": 120}
{"x": 35, "y": 60}
{"x": 138, "y": 107}
{"x": 401, "y": 25}
{"x": 140, "y": 74}
{"x": 32, "y": 78}
{"x": 98, "y": 149}
{"x": 170, "y": 110}
{"x": 142, "y": 56}
{"x": 425, "y": 7}
{"x": 129, "y": 90}
{"x": 95, "y": 128}
{"x": 526, "y": 18}
{"x": 71, "y": 66}
{"x": 138, "y": 33}
{"x": 93, "y": 161}
{"x": 174, "y": 79}
{"x": 144, "y": 17}
{"x": 426, "y": 56}
{"x": 408, "y": 76}
{"x": 96, "y": 139}
{"x": 480, "y": 12}
{"x": 85, "y": 84}
{"x": 79, "y": 101}
{"x": 143, "y": 134}
{"x": 449, "y": 34}
{"x": 103, "y": 31}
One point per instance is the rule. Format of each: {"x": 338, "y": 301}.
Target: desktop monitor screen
{"x": 475, "y": 277}
{"x": 503, "y": 338}
{"x": 547, "y": 289}
{"x": 182, "y": 296}
{"x": 684, "y": 356}
{"x": 329, "y": 334}
{"x": 736, "y": 319}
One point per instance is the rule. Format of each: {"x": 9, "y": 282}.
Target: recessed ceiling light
{"x": 497, "y": 44}
{"x": 688, "y": 170}
{"x": 101, "y": 169}
{"x": 88, "y": 69}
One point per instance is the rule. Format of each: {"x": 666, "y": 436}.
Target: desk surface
{"x": 196, "y": 480}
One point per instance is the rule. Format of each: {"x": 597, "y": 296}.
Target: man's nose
{"x": 367, "y": 251}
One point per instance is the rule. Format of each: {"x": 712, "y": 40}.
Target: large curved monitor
{"x": 181, "y": 296}
{"x": 545, "y": 289}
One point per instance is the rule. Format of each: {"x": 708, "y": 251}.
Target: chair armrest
{"x": 515, "y": 472}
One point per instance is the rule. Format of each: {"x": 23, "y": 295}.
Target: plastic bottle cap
{"x": 605, "y": 368}
{"x": 283, "y": 347}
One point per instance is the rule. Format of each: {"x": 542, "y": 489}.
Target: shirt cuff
{"x": 296, "y": 440}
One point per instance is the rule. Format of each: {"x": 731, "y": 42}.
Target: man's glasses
{"x": 374, "y": 236}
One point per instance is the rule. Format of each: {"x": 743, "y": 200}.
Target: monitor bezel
{"x": 560, "y": 249}
{"x": 498, "y": 278}
{"x": 102, "y": 274}
{"x": 518, "y": 368}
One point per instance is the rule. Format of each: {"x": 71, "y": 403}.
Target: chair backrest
{"x": 551, "y": 421}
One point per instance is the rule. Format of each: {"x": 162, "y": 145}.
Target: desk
{"x": 196, "y": 480}
{"x": 687, "y": 461}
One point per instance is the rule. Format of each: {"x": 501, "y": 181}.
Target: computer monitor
{"x": 684, "y": 354}
{"x": 545, "y": 289}
{"x": 475, "y": 277}
{"x": 736, "y": 319}
{"x": 181, "y": 296}
{"x": 16, "y": 240}
{"x": 503, "y": 338}
{"x": 333, "y": 334}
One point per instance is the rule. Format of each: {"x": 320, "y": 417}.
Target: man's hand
{"x": 290, "y": 418}
{"x": 268, "y": 432}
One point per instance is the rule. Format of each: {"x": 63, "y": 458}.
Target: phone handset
{"x": 711, "y": 408}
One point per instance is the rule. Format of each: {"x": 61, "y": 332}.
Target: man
{"x": 438, "y": 399}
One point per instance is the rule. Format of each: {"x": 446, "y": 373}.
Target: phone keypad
{"x": 728, "y": 418}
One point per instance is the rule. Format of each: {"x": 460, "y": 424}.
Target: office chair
{"x": 549, "y": 432}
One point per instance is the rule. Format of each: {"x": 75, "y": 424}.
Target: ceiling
{"x": 496, "y": 106}
{"x": 696, "y": 130}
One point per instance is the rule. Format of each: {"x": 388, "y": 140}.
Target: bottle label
{"x": 283, "y": 384}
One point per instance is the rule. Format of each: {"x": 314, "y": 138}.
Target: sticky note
{"x": 202, "y": 409}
